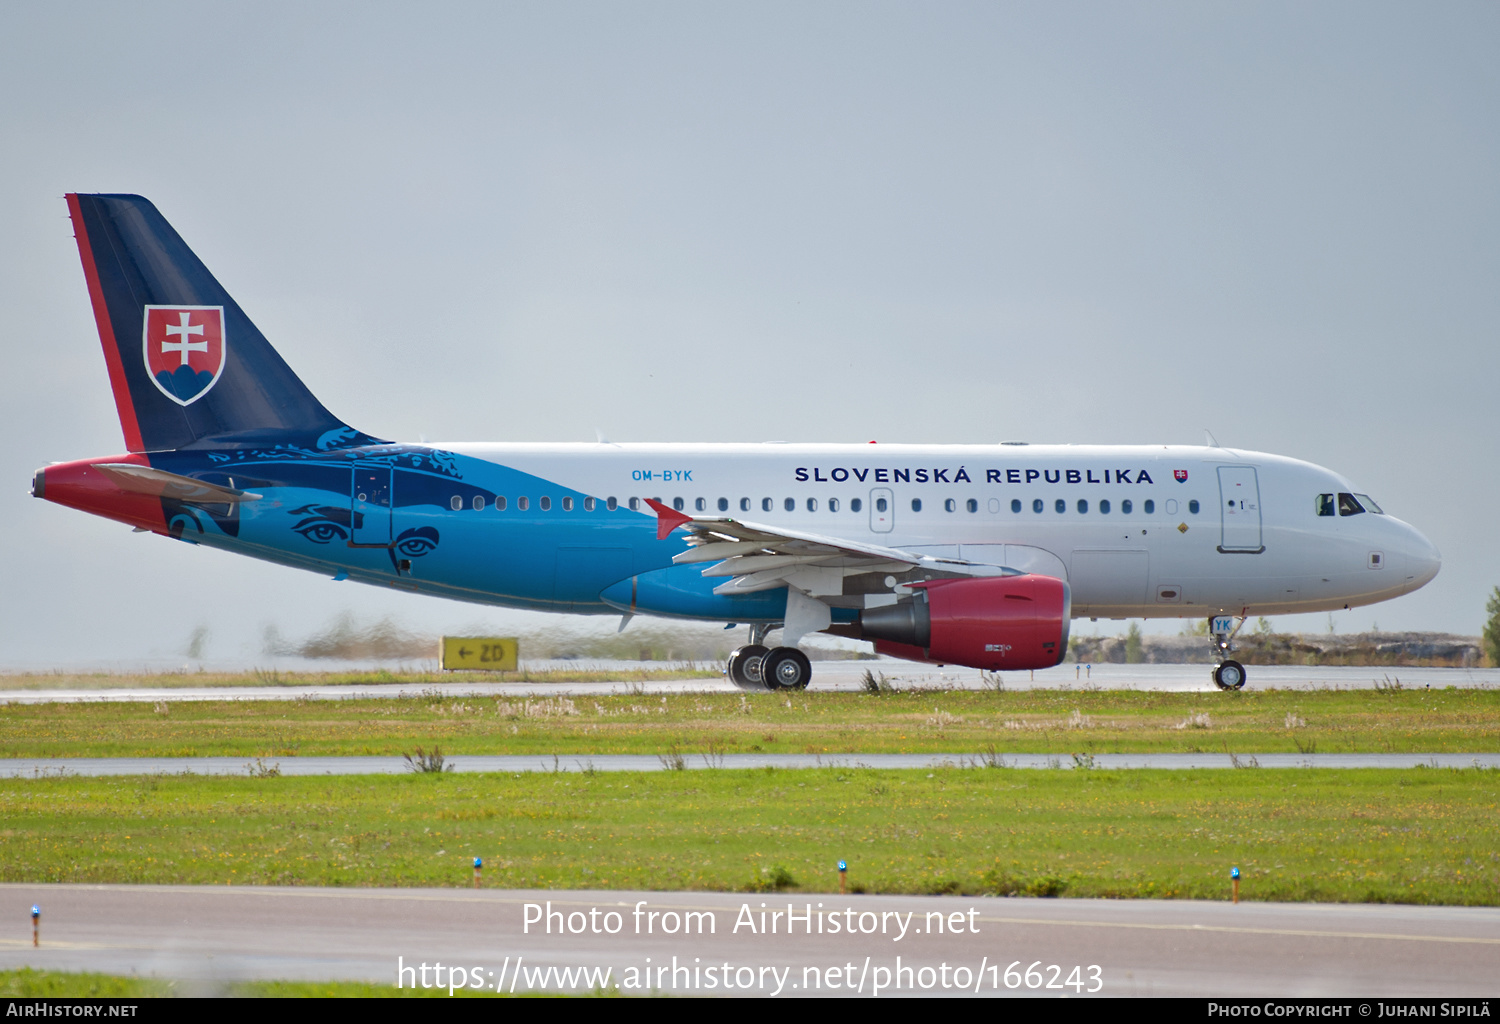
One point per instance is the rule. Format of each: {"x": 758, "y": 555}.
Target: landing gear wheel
{"x": 786, "y": 668}
{"x": 1230, "y": 675}
{"x": 745, "y": 667}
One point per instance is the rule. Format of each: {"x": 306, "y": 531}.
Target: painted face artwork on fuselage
{"x": 976, "y": 555}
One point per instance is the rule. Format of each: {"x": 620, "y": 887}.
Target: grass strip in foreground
{"x": 909, "y": 722}
{"x": 1373, "y": 835}
{"x": 27, "y": 983}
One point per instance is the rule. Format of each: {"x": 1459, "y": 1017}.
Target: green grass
{"x": 915, "y": 721}
{"x": 26, "y": 983}
{"x": 1410, "y": 836}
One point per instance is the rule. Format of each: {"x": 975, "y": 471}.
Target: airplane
{"x": 977, "y": 555}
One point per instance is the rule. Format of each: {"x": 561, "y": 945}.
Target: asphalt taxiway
{"x": 840, "y": 676}
{"x": 948, "y": 945}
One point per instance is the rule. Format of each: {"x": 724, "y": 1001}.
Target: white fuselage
{"x": 1137, "y": 531}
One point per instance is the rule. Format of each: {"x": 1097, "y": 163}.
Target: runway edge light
{"x": 1234, "y": 878}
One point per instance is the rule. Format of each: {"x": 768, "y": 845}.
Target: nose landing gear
{"x": 1228, "y": 674}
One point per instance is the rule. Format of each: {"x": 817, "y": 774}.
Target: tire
{"x": 1230, "y": 675}
{"x": 745, "y": 667}
{"x": 786, "y": 668}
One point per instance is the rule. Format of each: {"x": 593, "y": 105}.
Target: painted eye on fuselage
{"x": 417, "y": 542}
{"x": 323, "y": 523}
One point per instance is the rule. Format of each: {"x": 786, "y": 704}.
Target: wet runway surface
{"x": 838, "y": 945}
{"x": 842, "y": 676}
{"x": 45, "y": 767}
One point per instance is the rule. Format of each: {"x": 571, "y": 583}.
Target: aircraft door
{"x": 1239, "y": 510}
{"x": 882, "y": 510}
{"x": 370, "y": 507}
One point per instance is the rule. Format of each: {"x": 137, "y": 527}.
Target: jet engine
{"x": 995, "y": 623}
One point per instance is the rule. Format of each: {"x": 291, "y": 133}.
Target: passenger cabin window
{"x": 744, "y": 504}
{"x": 589, "y": 503}
{"x": 790, "y": 504}
{"x": 567, "y": 503}
{"x": 611, "y": 503}
{"x": 916, "y": 504}
{"x": 635, "y": 504}
{"x": 701, "y": 504}
{"x": 972, "y": 505}
{"x": 948, "y": 505}
{"x": 1060, "y": 505}
{"x": 1369, "y": 504}
{"x": 723, "y": 504}
{"x": 1148, "y": 506}
{"x": 1193, "y": 506}
{"x": 523, "y": 503}
{"x": 546, "y": 503}
{"x": 1324, "y": 504}
{"x": 499, "y": 503}
{"x": 456, "y": 503}
{"x": 855, "y": 504}
{"x": 765, "y": 504}
{"x": 1348, "y": 506}
{"x": 677, "y": 503}
{"x": 1104, "y": 506}
{"x": 478, "y": 503}
{"x": 1037, "y": 505}
{"x": 1083, "y": 505}
{"x": 1015, "y": 504}
{"x": 833, "y": 505}
{"x": 880, "y": 504}
{"x": 812, "y": 504}
{"x": 1126, "y": 506}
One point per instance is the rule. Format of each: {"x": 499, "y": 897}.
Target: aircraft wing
{"x": 754, "y": 556}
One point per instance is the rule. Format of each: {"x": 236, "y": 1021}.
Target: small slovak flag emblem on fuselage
{"x": 1180, "y": 475}
{"x": 185, "y": 350}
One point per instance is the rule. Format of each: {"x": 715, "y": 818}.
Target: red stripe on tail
{"x": 123, "y": 402}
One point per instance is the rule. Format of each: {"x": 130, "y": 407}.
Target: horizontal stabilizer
{"x": 160, "y": 483}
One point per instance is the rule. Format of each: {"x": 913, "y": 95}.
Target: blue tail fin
{"x": 188, "y": 368}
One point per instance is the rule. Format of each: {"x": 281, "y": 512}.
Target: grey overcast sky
{"x": 951, "y": 222}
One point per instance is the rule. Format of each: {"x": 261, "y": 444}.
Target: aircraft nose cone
{"x": 1422, "y": 560}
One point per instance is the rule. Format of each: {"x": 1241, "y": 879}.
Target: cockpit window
{"x": 1369, "y": 504}
{"x": 1348, "y": 505}
{"x": 1325, "y": 504}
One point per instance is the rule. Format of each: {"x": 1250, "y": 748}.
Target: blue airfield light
{"x": 479, "y": 864}
{"x": 843, "y": 866}
{"x": 36, "y": 911}
{"x": 1234, "y": 873}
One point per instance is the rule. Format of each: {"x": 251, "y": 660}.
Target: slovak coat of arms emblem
{"x": 1180, "y": 475}
{"x": 185, "y": 350}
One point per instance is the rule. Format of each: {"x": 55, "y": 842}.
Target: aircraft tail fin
{"x": 187, "y": 366}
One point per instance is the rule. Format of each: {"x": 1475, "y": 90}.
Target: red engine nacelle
{"x": 994, "y": 623}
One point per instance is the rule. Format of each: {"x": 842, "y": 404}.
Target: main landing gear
{"x": 756, "y": 667}
{"x": 1228, "y": 674}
